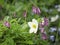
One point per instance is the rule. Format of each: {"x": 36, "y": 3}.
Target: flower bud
{"x": 36, "y": 10}
{"x": 42, "y": 30}
{"x": 46, "y": 21}
{"x": 25, "y": 13}
{"x": 44, "y": 36}
{"x": 7, "y": 24}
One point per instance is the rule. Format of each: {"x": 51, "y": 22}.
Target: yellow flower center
{"x": 34, "y": 26}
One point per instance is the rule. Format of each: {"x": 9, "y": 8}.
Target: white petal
{"x": 35, "y": 31}
{"x": 58, "y": 9}
{"x": 30, "y": 24}
{"x": 57, "y": 16}
{"x": 31, "y": 31}
{"x": 35, "y": 21}
{"x": 53, "y": 19}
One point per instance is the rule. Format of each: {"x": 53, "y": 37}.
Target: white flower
{"x": 53, "y": 19}
{"x": 33, "y": 26}
{"x": 58, "y": 9}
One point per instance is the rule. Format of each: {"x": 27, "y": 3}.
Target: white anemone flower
{"x": 33, "y": 26}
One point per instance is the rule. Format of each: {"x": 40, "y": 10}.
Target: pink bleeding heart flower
{"x": 46, "y": 21}
{"x": 44, "y": 36}
{"x": 25, "y": 13}
{"x": 7, "y": 24}
{"x": 42, "y": 30}
{"x": 41, "y": 25}
{"x": 36, "y": 10}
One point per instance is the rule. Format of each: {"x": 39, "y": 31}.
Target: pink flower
{"x": 41, "y": 25}
{"x": 46, "y": 21}
{"x": 42, "y": 30}
{"x": 25, "y": 13}
{"x": 44, "y": 36}
{"x": 7, "y": 24}
{"x": 36, "y": 10}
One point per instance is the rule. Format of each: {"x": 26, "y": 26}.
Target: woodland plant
{"x": 29, "y": 22}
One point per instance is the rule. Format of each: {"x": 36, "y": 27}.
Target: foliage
{"x": 18, "y": 32}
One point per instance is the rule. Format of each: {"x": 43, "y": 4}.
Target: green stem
{"x": 25, "y": 19}
{"x": 33, "y": 3}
